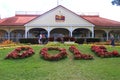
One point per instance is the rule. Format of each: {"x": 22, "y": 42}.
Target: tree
{"x": 116, "y": 2}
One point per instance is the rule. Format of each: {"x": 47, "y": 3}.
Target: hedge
{"x": 92, "y": 40}
{"x": 29, "y": 40}
{"x": 80, "y": 40}
{"x": 77, "y": 40}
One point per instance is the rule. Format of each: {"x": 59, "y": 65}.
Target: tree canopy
{"x": 116, "y": 2}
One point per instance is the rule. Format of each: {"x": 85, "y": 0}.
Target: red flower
{"x": 27, "y": 51}
{"x": 78, "y": 55}
{"x": 101, "y": 51}
{"x": 44, "y": 53}
{"x": 115, "y": 53}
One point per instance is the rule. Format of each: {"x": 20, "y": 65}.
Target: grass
{"x": 35, "y": 68}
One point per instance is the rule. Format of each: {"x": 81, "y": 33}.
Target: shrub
{"x": 66, "y": 38}
{"x": 51, "y": 39}
{"x": 91, "y": 40}
{"x": 80, "y": 40}
{"x": 29, "y": 40}
{"x": 72, "y": 39}
{"x": 59, "y": 39}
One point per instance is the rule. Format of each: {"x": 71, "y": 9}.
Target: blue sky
{"x": 103, "y": 7}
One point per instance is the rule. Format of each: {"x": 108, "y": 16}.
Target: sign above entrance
{"x": 59, "y": 18}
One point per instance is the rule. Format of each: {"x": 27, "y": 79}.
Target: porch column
{"x": 25, "y": 34}
{"x": 26, "y": 30}
{"x": 48, "y": 31}
{"x": 8, "y": 34}
{"x": 107, "y": 34}
{"x": 93, "y": 32}
{"x": 71, "y": 29}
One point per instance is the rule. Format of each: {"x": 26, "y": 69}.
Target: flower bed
{"x": 7, "y": 43}
{"x": 101, "y": 51}
{"x": 45, "y": 55}
{"x": 78, "y": 55}
{"x": 20, "y": 52}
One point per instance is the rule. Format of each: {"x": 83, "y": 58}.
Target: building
{"x": 58, "y": 20}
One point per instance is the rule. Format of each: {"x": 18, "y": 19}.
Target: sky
{"x": 104, "y": 8}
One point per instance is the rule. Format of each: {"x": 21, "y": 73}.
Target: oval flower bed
{"x": 20, "y": 52}
{"x": 78, "y": 55}
{"x": 101, "y": 51}
{"x": 45, "y": 55}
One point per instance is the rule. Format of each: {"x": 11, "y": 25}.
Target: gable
{"x": 59, "y": 16}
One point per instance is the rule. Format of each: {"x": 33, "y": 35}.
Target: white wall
{"x": 48, "y": 19}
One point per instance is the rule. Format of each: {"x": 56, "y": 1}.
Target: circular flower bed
{"x": 45, "y": 55}
{"x": 20, "y": 52}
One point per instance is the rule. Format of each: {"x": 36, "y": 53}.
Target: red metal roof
{"x": 99, "y": 21}
{"x": 17, "y": 20}
{"x": 21, "y": 20}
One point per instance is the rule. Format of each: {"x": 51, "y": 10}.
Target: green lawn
{"x": 35, "y": 68}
